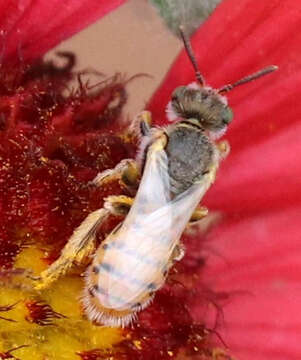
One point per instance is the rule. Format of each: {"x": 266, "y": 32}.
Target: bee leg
{"x": 127, "y": 172}
{"x": 178, "y": 252}
{"x": 223, "y": 149}
{"x": 118, "y": 205}
{"x": 141, "y": 125}
{"x": 130, "y": 176}
{"x": 199, "y": 213}
{"x": 80, "y": 245}
{"x": 145, "y": 122}
{"x": 204, "y": 225}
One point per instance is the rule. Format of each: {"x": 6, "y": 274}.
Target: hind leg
{"x": 80, "y": 245}
{"x": 199, "y": 213}
{"x": 82, "y": 242}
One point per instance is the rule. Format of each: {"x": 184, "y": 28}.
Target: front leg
{"x": 141, "y": 126}
{"x": 127, "y": 172}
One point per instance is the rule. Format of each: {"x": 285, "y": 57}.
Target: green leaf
{"x": 190, "y": 13}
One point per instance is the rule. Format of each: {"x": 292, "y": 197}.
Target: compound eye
{"x": 227, "y": 115}
{"x": 178, "y": 92}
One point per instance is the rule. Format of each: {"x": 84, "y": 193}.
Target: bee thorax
{"x": 190, "y": 153}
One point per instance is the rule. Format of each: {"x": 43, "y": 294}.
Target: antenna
{"x": 248, "y": 78}
{"x": 191, "y": 56}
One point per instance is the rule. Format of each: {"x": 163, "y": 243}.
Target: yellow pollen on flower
{"x": 43, "y": 159}
{"x": 220, "y": 354}
{"x": 65, "y": 336}
{"x": 137, "y": 343}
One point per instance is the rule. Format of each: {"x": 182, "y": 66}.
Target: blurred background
{"x": 133, "y": 39}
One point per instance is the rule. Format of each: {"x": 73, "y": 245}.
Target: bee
{"x": 175, "y": 167}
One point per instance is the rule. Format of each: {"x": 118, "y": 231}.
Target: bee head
{"x": 204, "y": 104}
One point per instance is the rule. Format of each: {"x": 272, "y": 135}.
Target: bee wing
{"x": 154, "y": 216}
{"x": 154, "y": 188}
{"x": 166, "y": 224}
{"x": 144, "y": 244}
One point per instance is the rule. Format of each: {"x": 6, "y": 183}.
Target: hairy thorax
{"x": 190, "y": 153}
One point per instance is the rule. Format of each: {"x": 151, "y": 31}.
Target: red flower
{"x": 30, "y": 27}
{"x": 252, "y": 256}
{"x": 258, "y": 186}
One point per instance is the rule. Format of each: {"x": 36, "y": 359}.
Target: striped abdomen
{"x": 126, "y": 271}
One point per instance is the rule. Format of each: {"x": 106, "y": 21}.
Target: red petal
{"x": 259, "y": 183}
{"x": 260, "y": 256}
{"x": 30, "y": 28}
{"x": 228, "y": 47}
{"x": 261, "y": 177}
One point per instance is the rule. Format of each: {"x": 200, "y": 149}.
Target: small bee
{"x": 177, "y": 165}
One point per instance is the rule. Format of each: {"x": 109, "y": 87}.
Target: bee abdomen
{"x": 114, "y": 294}
{"x": 122, "y": 311}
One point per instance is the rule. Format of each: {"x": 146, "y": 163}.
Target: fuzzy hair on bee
{"x": 175, "y": 167}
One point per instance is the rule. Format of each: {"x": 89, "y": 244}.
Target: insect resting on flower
{"x": 175, "y": 167}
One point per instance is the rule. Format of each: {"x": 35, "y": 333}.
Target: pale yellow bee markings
{"x": 112, "y": 306}
{"x": 128, "y": 292}
{"x": 96, "y": 290}
{"x": 121, "y": 249}
{"x": 136, "y": 281}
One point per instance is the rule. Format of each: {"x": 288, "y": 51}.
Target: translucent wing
{"x": 141, "y": 249}
{"x": 154, "y": 188}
